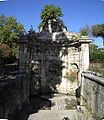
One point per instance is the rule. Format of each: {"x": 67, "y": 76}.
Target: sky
{"x": 77, "y": 13}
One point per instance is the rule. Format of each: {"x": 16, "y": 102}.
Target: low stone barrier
{"x": 14, "y": 93}
{"x": 92, "y": 94}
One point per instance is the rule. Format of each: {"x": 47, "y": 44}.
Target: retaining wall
{"x": 14, "y": 93}
{"x": 92, "y": 92}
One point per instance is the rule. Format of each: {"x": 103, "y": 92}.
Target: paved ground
{"x": 54, "y": 115}
{"x": 52, "y": 107}
{"x": 61, "y": 106}
{"x": 63, "y": 102}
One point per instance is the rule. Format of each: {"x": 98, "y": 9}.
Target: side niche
{"x": 72, "y": 74}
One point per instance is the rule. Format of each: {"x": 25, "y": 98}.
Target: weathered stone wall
{"x": 70, "y": 63}
{"x": 60, "y": 61}
{"x": 23, "y": 56}
{"x": 92, "y": 91}
{"x": 14, "y": 94}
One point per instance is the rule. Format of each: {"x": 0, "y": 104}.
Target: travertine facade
{"x": 54, "y": 60}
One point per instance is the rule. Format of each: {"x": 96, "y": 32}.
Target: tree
{"x": 83, "y": 32}
{"x": 86, "y": 31}
{"x": 98, "y": 31}
{"x": 50, "y": 12}
{"x": 5, "y": 50}
{"x": 10, "y": 31}
{"x": 5, "y": 54}
{"x": 96, "y": 54}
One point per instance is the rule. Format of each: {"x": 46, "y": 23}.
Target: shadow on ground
{"x": 36, "y": 103}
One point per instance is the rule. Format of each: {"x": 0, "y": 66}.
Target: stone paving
{"x": 52, "y": 107}
{"x": 54, "y": 115}
{"x": 63, "y": 102}
{"x": 62, "y": 106}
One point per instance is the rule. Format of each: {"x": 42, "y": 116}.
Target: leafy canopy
{"x": 98, "y": 31}
{"x": 86, "y": 31}
{"x": 5, "y": 50}
{"x": 10, "y": 31}
{"x": 96, "y": 54}
{"x": 50, "y": 12}
{"x": 83, "y": 32}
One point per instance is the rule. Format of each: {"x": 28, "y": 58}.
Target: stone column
{"x": 84, "y": 54}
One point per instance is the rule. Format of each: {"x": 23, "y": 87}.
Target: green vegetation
{"x": 99, "y": 71}
{"x": 71, "y": 76}
{"x": 96, "y": 54}
{"x": 96, "y": 58}
{"x": 50, "y": 12}
{"x": 85, "y": 31}
{"x": 10, "y": 31}
{"x": 98, "y": 31}
{"x": 5, "y": 50}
